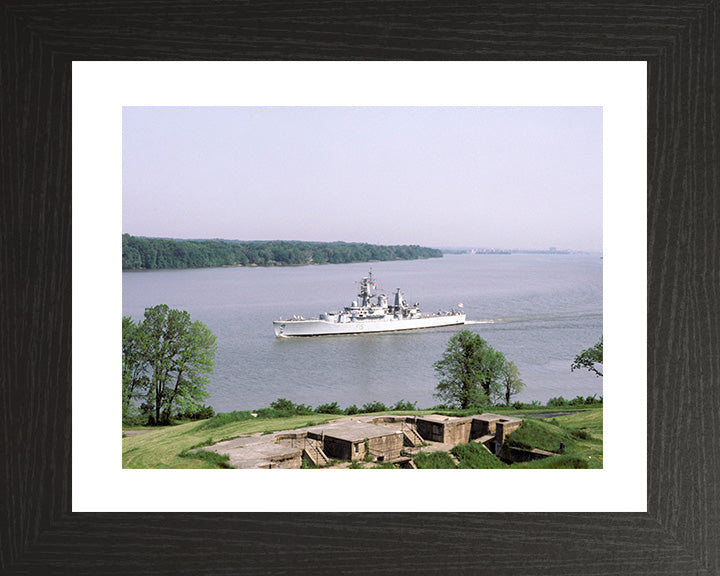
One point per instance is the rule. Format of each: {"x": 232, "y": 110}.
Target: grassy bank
{"x": 162, "y": 448}
{"x": 581, "y": 434}
{"x": 167, "y": 447}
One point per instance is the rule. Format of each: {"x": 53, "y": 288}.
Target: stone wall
{"x": 393, "y": 419}
{"x": 457, "y": 431}
{"x": 447, "y": 431}
{"x": 292, "y": 439}
{"x": 385, "y": 447}
{"x": 342, "y": 449}
{"x": 484, "y": 424}
{"x": 293, "y": 460}
{"x": 429, "y": 430}
{"x": 505, "y": 426}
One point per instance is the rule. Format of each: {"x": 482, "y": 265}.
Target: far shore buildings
{"x": 378, "y": 439}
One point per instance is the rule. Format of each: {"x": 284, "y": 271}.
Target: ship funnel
{"x": 398, "y": 299}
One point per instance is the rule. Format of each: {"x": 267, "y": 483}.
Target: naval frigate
{"x": 372, "y": 313}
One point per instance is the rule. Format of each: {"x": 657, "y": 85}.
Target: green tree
{"x": 510, "y": 381}
{"x": 134, "y": 377}
{"x": 174, "y": 356}
{"x": 587, "y": 359}
{"x": 180, "y": 354}
{"x": 194, "y": 361}
{"x": 469, "y": 370}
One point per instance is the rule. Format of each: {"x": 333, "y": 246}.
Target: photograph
{"x": 260, "y": 189}
{"x": 389, "y": 287}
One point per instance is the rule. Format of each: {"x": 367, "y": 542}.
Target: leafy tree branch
{"x": 589, "y": 358}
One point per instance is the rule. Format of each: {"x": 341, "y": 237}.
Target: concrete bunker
{"x": 358, "y": 440}
{"x": 444, "y": 429}
{"x": 380, "y": 439}
{"x": 488, "y": 428}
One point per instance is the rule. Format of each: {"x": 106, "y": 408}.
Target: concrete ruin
{"x": 487, "y": 428}
{"x": 379, "y": 439}
{"x": 355, "y": 440}
{"x": 257, "y": 451}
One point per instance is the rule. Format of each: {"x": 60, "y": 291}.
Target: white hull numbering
{"x": 367, "y": 316}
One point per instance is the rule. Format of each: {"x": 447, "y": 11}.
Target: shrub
{"x": 350, "y": 410}
{"x": 204, "y": 413}
{"x": 197, "y": 413}
{"x": 434, "y": 460}
{"x": 577, "y": 401}
{"x": 284, "y": 407}
{"x": 405, "y": 405}
{"x": 525, "y": 405}
{"x": 282, "y": 404}
{"x": 580, "y": 433}
{"x": 373, "y": 407}
{"x": 271, "y": 413}
{"x": 331, "y": 408}
{"x": 559, "y": 401}
{"x": 135, "y": 420}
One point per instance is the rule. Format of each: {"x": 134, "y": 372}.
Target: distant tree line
{"x": 157, "y": 253}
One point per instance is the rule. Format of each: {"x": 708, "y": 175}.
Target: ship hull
{"x": 317, "y": 327}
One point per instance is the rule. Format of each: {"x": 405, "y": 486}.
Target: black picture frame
{"x": 680, "y": 533}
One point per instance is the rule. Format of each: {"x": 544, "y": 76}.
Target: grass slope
{"x": 475, "y": 455}
{"x": 581, "y": 433}
{"x": 162, "y": 447}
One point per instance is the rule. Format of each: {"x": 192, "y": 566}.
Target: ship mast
{"x": 366, "y": 285}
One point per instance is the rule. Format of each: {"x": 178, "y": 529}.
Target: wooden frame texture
{"x": 680, "y": 533}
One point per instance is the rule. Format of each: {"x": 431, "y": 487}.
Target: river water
{"x": 540, "y": 310}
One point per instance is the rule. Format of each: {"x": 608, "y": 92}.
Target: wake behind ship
{"x": 366, "y": 316}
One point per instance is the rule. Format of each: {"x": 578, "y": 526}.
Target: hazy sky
{"x": 475, "y": 177}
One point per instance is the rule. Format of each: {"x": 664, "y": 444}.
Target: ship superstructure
{"x": 370, "y": 313}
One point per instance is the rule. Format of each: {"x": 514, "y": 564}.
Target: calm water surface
{"x": 539, "y": 310}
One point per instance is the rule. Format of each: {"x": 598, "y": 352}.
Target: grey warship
{"x": 372, "y": 313}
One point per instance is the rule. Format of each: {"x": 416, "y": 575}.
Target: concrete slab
{"x": 487, "y": 417}
{"x": 257, "y": 452}
{"x": 438, "y": 418}
{"x": 351, "y": 431}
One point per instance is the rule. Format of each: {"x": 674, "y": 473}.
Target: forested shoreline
{"x": 139, "y": 253}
